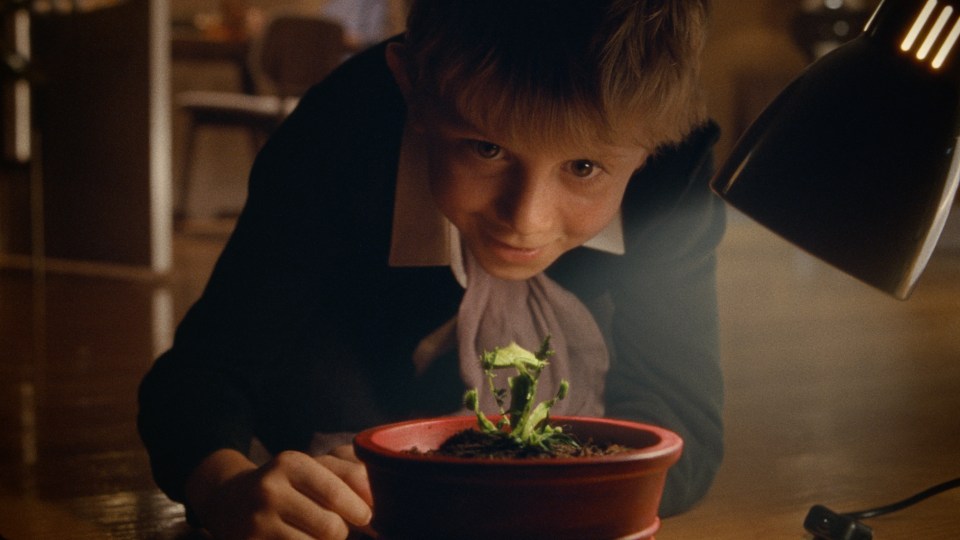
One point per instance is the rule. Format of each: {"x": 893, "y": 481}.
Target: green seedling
{"x": 523, "y": 421}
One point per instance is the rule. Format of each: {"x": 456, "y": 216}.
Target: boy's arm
{"x": 294, "y": 243}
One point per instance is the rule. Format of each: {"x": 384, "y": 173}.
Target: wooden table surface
{"x": 836, "y": 395}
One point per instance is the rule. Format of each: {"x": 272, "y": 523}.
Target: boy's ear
{"x": 397, "y": 62}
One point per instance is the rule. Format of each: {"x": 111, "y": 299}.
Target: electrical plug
{"x": 825, "y": 524}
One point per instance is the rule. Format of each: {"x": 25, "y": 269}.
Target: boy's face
{"x": 519, "y": 207}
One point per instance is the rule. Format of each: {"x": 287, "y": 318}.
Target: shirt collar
{"x": 422, "y": 236}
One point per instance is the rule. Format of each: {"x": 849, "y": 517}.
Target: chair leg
{"x": 257, "y": 140}
{"x": 186, "y": 170}
{"x": 260, "y": 133}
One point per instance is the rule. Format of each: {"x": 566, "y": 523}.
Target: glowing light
{"x": 934, "y": 32}
{"x": 947, "y": 46}
{"x": 918, "y": 25}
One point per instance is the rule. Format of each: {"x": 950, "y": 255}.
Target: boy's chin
{"x": 511, "y": 272}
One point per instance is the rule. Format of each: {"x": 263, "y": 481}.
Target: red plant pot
{"x": 606, "y": 497}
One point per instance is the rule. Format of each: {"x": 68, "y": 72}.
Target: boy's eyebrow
{"x": 454, "y": 119}
{"x": 610, "y": 152}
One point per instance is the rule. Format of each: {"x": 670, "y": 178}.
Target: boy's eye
{"x": 583, "y": 168}
{"x": 487, "y": 150}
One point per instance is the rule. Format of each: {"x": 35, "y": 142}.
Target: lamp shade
{"x": 856, "y": 161}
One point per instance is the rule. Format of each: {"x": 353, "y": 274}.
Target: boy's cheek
{"x": 455, "y": 192}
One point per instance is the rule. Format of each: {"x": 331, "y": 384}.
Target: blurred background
{"x": 115, "y": 160}
{"x": 113, "y": 210}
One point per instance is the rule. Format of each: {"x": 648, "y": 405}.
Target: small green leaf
{"x": 523, "y": 422}
{"x": 471, "y": 400}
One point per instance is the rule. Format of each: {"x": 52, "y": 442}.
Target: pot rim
{"x": 668, "y": 446}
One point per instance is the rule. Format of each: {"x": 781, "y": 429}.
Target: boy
{"x": 507, "y": 170}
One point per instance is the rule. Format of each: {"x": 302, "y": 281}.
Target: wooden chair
{"x": 294, "y": 52}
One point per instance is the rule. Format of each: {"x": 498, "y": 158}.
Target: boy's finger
{"x": 346, "y": 452}
{"x": 353, "y": 473}
{"x": 326, "y": 488}
{"x": 313, "y": 522}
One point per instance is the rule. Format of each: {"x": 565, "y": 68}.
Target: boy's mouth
{"x": 512, "y": 253}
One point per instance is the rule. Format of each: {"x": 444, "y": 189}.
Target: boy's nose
{"x": 529, "y": 204}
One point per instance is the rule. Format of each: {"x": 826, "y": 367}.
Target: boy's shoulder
{"x": 673, "y": 172}
{"x": 359, "y": 103}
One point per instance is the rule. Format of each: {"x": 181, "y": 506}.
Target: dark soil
{"x": 471, "y": 443}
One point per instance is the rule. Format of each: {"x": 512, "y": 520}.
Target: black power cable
{"x": 825, "y": 524}
{"x": 909, "y": 501}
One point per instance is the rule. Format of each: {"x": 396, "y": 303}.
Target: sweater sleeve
{"x": 294, "y": 246}
{"x": 665, "y": 366}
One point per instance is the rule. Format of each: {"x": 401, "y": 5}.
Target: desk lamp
{"x": 856, "y": 161}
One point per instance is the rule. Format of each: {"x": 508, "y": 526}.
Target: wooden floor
{"x": 836, "y": 394}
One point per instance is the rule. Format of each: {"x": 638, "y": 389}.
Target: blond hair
{"x": 563, "y": 71}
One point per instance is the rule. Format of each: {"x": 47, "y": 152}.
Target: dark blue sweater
{"x": 304, "y": 327}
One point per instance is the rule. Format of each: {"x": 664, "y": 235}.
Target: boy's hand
{"x": 293, "y": 495}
